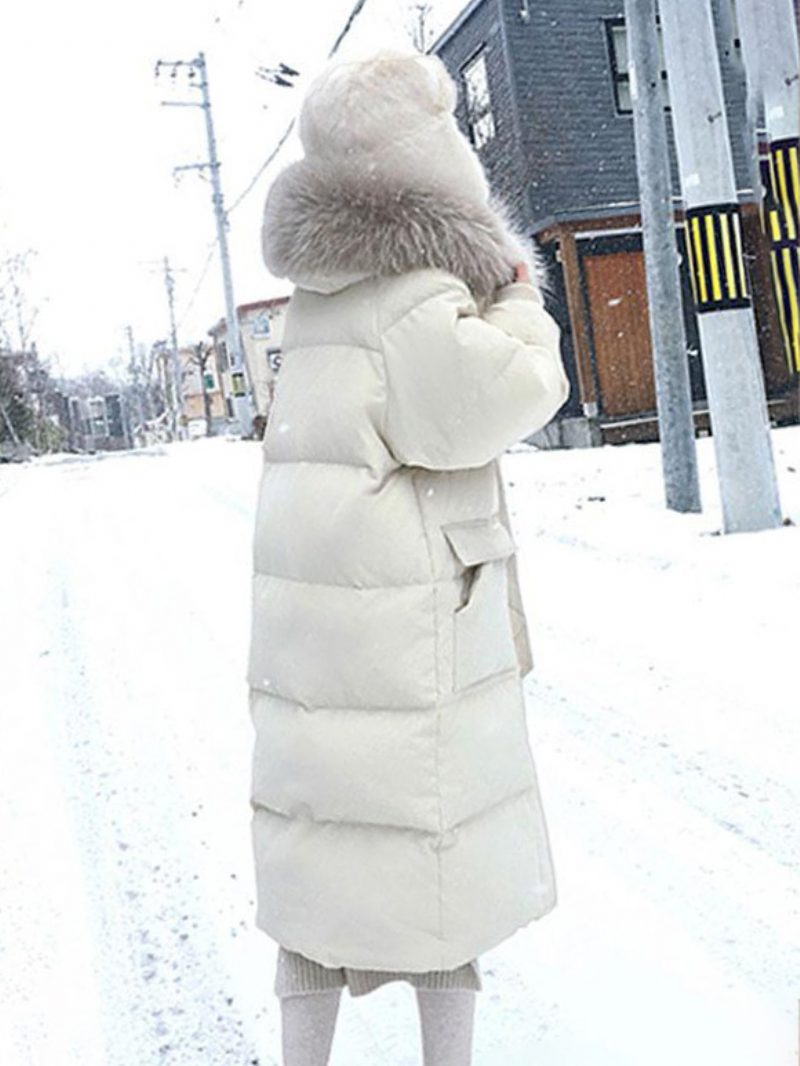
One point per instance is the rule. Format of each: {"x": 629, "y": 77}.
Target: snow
{"x": 663, "y": 715}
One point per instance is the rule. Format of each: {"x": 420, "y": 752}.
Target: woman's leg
{"x": 308, "y": 1021}
{"x": 447, "y": 1017}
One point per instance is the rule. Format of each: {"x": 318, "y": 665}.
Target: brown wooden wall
{"x": 606, "y": 296}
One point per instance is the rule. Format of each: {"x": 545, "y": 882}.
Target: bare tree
{"x": 17, "y": 314}
{"x": 27, "y": 388}
{"x": 201, "y": 353}
{"x": 16, "y": 415}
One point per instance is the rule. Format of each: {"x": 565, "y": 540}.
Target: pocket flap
{"x": 476, "y": 540}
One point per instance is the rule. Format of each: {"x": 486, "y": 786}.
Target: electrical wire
{"x": 250, "y": 185}
{"x": 190, "y": 303}
{"x": 351, "y": 18}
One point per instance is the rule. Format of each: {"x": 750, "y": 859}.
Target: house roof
{"x": 221, "y": 325}
{"x": 455, "y": 25}
{"x": 262, "y": 305}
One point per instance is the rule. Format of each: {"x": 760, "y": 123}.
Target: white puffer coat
{"x": 397, "y": 822}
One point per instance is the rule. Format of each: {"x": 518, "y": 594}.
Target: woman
{"x": 397, "y": 825}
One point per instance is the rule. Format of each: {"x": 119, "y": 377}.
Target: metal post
{"x": 673, "y": 386}
{"x": 733, "y": 373}
{"x": 242, "y": 403}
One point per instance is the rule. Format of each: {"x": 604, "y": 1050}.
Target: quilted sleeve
{"x": 462, "y": 387}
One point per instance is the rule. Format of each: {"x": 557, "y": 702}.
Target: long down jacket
{"x": 397, "y": 821}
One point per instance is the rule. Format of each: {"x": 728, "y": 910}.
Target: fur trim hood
{"x": 326, "y": 226}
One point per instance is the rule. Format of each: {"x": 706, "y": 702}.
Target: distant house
{"x": 261, "y": 324}
{"x": 545, "y": 100}
{"x": 261, "y": 328}
{"x": 200, "y": 381}
{"x": 95, "y": 422}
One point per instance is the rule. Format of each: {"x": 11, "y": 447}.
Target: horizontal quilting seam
{"x": 333, "y": 344}
{"x": 320, "y": 462}
{"x": 484, "y": 812}
{"x": 455, "y": 697}
{"x": 298, "y": 707}
{"x": 259, "y": 805}
{"x": 302, "y": 707}
{"x": 352, "y": 587}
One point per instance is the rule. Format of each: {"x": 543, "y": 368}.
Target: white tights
{"x": 446, "y": 1016}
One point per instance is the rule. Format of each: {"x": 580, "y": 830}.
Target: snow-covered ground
{"x": 664, "y": 717}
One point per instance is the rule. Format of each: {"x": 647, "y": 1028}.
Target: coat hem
{"x": 440, "y": 962}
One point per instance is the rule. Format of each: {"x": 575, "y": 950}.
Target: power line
{"x": 354, "y": 13}
{"x": 249, "y": 188}
{"x": 347, "y": 27}
{"x": 351, "y": 18}
{"x": 193, "y": 296}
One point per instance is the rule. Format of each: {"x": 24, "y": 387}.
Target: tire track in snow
{"x": 165, "y": 983}
{"x": 628, "y": 801}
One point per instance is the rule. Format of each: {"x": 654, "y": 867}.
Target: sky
{"x": 89, "y": 148}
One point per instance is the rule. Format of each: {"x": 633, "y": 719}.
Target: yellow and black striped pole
{"x": 716, "y": 257}
{"x": 780, "y": 220}
{"x": 735, "y": 386}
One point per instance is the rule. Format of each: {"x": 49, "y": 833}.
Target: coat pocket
{"x": 483, "y": 639}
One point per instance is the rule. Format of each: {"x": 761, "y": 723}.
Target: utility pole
{"x": 734, "y": 377}
{"x": 770, "y": 53}
{"x": 136, "y": 374}
{"x": 673, "y": 387}
{"x": 242, "y": 389}
{"x": 772, "y": 69}
{"x": 178, "y": 431}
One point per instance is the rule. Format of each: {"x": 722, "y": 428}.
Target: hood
{"x": 327, "y": 226}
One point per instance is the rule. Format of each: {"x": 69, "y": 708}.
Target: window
{"x": 261, "y": 325}
{"x": 97, "y": 416}
{"x": 618, "y": 51}
{"x": 479, "y": 103}
{"x": 238, "y": 383}
{"x": 114, "y": 415}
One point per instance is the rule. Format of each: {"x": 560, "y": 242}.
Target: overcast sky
{"x": 88, "y": 151}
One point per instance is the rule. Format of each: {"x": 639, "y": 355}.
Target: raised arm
{"x": 463, "y": 387}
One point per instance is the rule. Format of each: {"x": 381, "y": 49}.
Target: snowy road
{"x": 663, "y": 716}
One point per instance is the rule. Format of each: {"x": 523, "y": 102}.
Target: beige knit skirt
{"x": 296, "y": 974}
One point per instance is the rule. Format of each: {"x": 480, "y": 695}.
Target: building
{"x": 204, "y": 405}
{"x": 545, "y": 100}
{"x": 261, "y": 327}
{"x": 261, "y": 324}
{"x": 96, "y": 422}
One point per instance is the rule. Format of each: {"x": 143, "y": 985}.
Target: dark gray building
{"x": 544, "y": 97}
